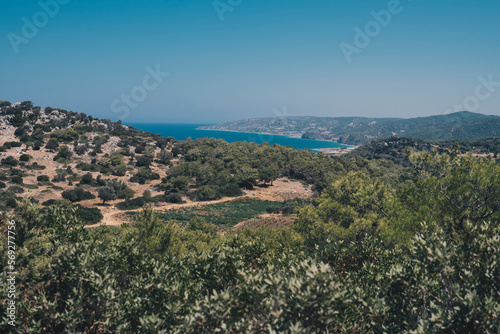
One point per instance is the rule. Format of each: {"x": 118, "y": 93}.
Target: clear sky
{"x": 234, "y": 59}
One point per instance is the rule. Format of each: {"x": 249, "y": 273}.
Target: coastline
{"x": 186, "y": 130}
{"x": 282, "y": 135}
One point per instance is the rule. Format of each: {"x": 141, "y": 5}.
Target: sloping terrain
{"x": 360, "y": 130}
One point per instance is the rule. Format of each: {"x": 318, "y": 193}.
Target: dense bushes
{"x": 89, "y": 215}
{"x": 10, "y": 161}
{"x": 132, "y": 204}
{"x": 210, "y": 193}
{"x": 52, "y": 144}
{"x": 77, "y": 195}
{"x": 142, "y": 161}
{"x": 25, "y": 157}
{"x": 143, "y": 175}
{"x": 63, "y": 154}
{"x": 139, "y": 202}
{"x": 17, "y": 179}
{"x": 86, "y": 215}
{"x": 207, "y": 193}
{"x": 437, "y": 284}
{"x": 113, "y": 164}
{"x": 36, "y": 166}
{"x": 16, "y": 189}
{"x": 447, "y": 189}
{"x": 64, "y": 135}
{"x": 88, "y": 167}
{"x": 173, "y": 198}
{"x": 11, "y": 202}
{"x": 220, "y": 168}
{"x": 42, "y": 178}
{"x": 10, "y": 144}
{"x": 87, "y": 179}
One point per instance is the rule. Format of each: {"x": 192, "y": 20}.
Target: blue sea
{"x": 184, "y": 131}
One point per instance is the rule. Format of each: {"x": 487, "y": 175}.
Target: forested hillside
{"x": 396, "y": 237}
{"x": 362, "y": 130}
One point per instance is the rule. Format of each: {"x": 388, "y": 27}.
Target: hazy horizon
{"x": 231, "y": 60}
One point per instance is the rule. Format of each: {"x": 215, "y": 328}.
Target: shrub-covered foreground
{"x": 115, "y": 283}
{"x": 359, "y": 259}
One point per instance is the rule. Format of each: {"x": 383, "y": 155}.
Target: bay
{"x": 184, "y": 131}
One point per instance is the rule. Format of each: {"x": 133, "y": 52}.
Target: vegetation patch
{"x": 226, "y": 214}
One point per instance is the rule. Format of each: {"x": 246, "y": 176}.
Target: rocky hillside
{"x": 102, "y": 168}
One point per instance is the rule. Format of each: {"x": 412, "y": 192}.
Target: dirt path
{"x": 281, "y": 190}
{"x": 116, "y": 217}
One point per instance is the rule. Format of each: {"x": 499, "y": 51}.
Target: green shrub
{"x": 11, "y": 144}
{"x": 16, "y": 189}
{"x": 173, "y": 198}
{"x": 42, "y": 178}
{"x": 16, "y": 171}
{"x": 25, "y": 157}
{"x": 10, "y": 161}
{"x": 87, "y": 179}
{"x": 126, "y": 193}
{"x": 146, "y": 194}
{"x": 207, "y": 193}
{"x": 36, "y": 166}
{"x": 65, "y": 135}
{"x": 88, "y": 167}
{"x": 231, "y": 190}
{"x": 77, "y": 195}
{"x": 140, "y": 149}
{"x": 142, "y": 161}
{"x": 37, "y": 145}
{"x": 132, "y": 204}
{"x": 81, "y": 149}
{"x": 63, "y": 153}
{"x": 89, "y": 216}
{"x": 11, "y": 202}
{"x": 143, "y": 175}
{"x": 52, "y": 144}
{"x": 49, "y": 202}
{"x": 17, "y": 179}
{"x": 73, "y": 178}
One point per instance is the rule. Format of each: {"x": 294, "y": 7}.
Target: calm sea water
{"x": 184, "y": 131}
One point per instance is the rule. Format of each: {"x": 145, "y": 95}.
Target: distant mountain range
{"x": 362, "y": 130}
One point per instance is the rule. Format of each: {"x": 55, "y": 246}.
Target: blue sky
{"x": 262, "y": 59}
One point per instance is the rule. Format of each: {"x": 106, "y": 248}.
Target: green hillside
{"x": 360, "y": 130}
